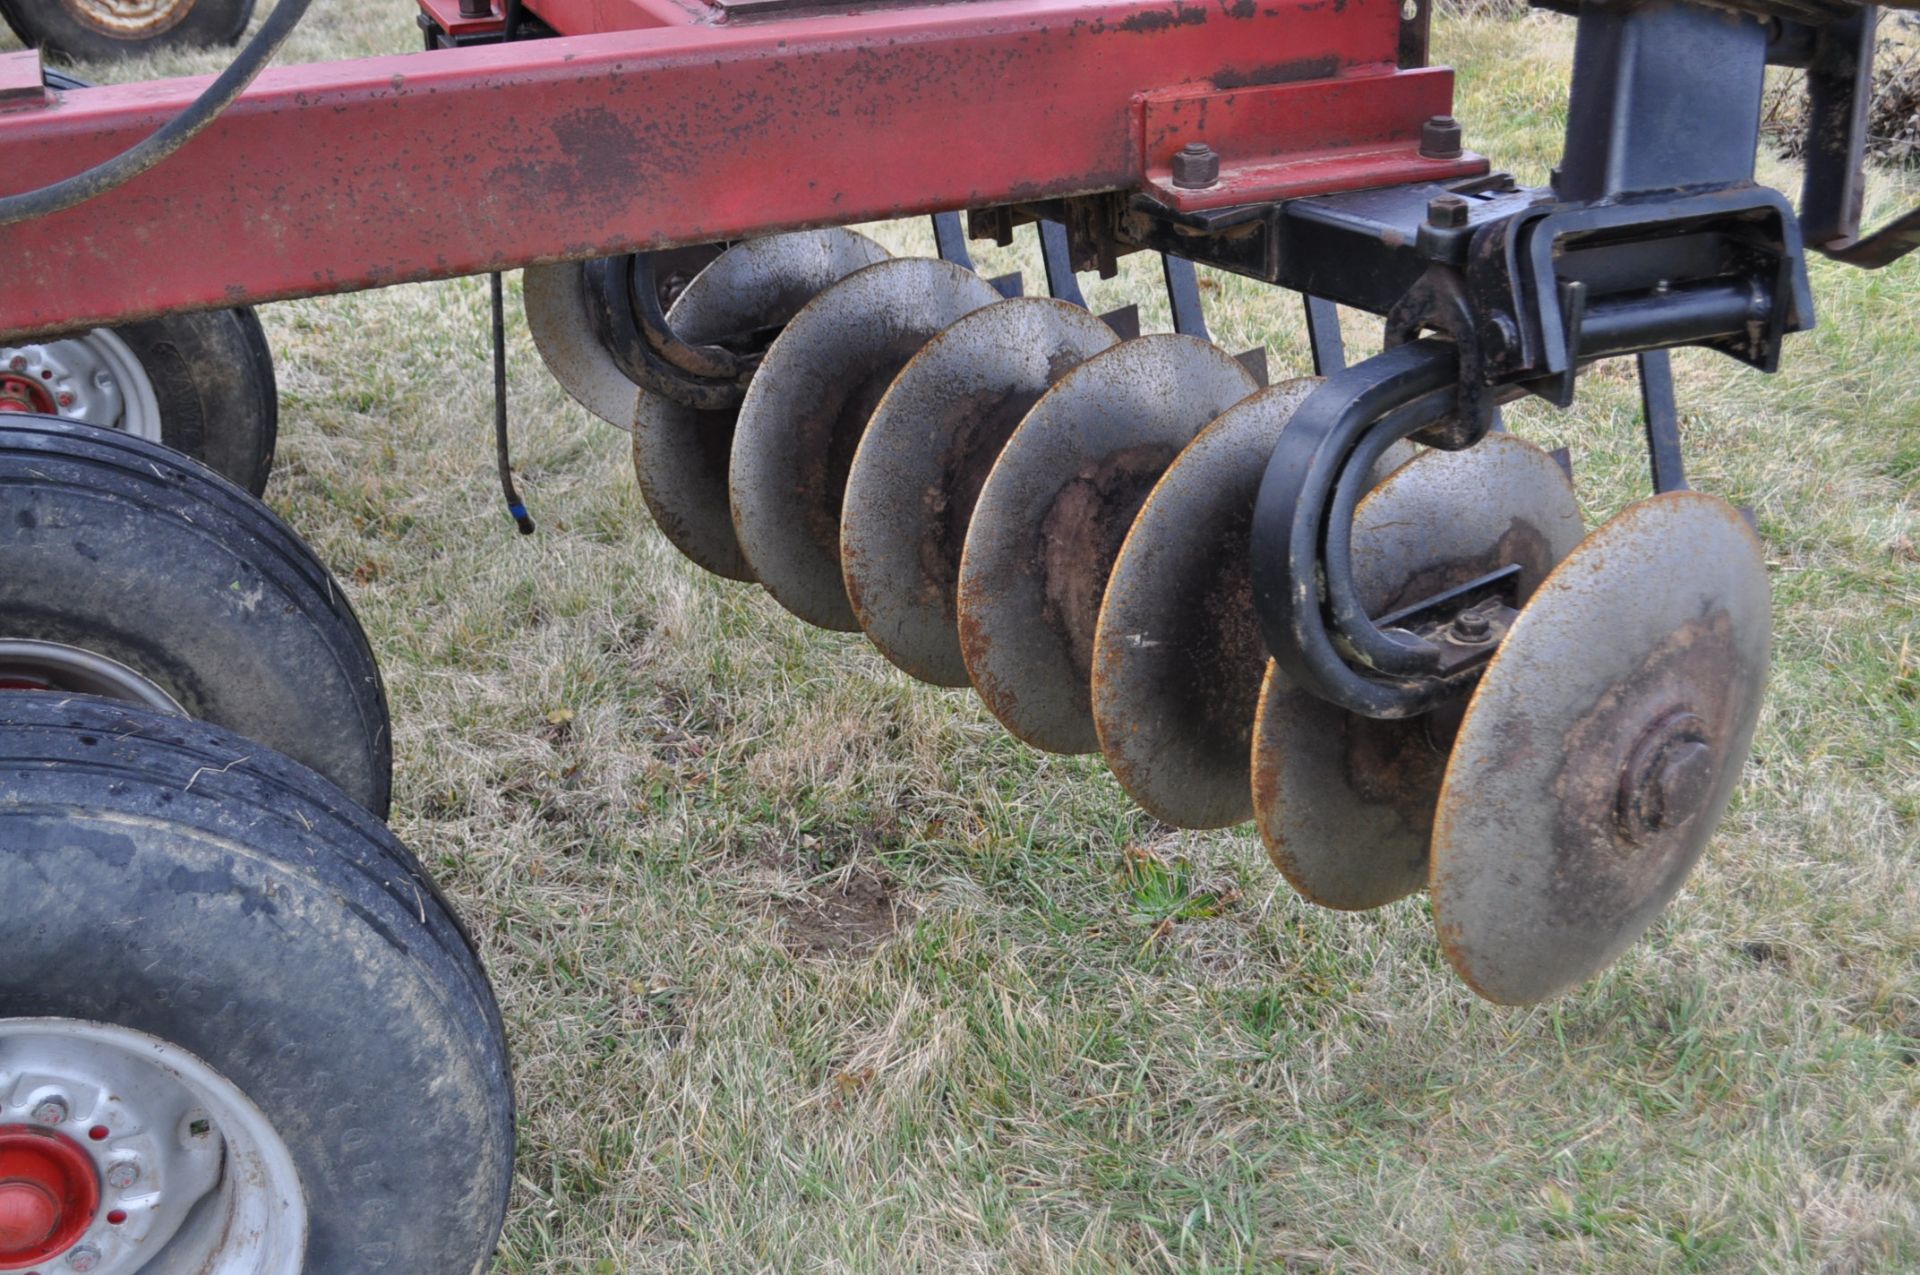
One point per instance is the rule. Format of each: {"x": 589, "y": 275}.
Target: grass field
{"x": 808, "y": 967}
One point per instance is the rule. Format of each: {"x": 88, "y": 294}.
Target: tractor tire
{"x": 134, "y": 572}
{"x": 102, "y": 31}
{"x": 201, "y": 383}
{"x": 237, "y": 1009}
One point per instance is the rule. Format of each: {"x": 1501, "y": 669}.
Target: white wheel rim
{"x": 94, "y": 378}
{"x": 193, "y": 1178}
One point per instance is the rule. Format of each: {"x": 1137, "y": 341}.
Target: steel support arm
{"x": 335, "y": 177}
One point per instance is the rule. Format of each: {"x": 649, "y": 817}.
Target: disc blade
{"x": 554, "y": 298}
{"x": 680, "y": 454}
{"x": 806, "y": 409}
{"x": 1345, "y": 803}
{"x": 1052, "y": 515}
{"x": 923, "y": 459}
{"x": 1177, "y": 653}
{"x": 1601, "y": 747}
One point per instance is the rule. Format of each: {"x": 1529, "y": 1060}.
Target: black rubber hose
{"x": 169, "y": 137}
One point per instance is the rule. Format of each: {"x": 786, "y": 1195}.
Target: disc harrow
{"x": 1006, "y": 493}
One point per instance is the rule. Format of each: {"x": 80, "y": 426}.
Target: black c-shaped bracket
{"x": 1302, "y": 535}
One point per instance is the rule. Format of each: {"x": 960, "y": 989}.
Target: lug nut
{"x": 1440, "y": 138}
{"x": 18, "y": 363}
{"x": 1449, "y": 212}
{"x": 1196, "y": 166}
{"x": 123, "y": 1175}
{"x": 66, "y": 398}
{"x": 50, "y": 1111}
{"x": 84, "y": 1258}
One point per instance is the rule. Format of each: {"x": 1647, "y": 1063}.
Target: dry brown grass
{"x": 1075, "y": 1042}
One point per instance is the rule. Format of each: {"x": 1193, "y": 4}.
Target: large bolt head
{"x": 1682, "y": 782}
{"x": 50, "y": 1111}
{"x": 123, "y": 1175}
{"x": 1668, "y": 778}
{"x": 84, "y": 1258}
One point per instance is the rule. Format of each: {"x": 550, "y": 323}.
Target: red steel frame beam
{"x": 336, "y": 177}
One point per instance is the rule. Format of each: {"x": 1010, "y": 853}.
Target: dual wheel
{"x": 1007, "y": 495}
{"x": 241, "y": 1031}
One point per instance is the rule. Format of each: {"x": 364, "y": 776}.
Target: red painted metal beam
{"x": 332, "y": 178}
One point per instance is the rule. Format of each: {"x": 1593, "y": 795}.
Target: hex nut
{"x": 1440, "y": 138}
{"x": 1196, "y": 166}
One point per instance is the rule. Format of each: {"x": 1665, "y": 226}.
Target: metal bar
{"x": 1323, "y": 334}
{"x": 1183, "y": 296}
{"x": 331, "y": 178}
{"x": 1062, "y": 283}
{"x": 950, "y": 239}
{"x": 1664, "y": 95}
{"x": 1661, "y": 415}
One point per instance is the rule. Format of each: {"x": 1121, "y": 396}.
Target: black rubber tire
{"x": 126, "y": 549}
{"x": 212, "y": 377}
{"x": 171, "y": 877}
{"x": 55, "y": 26}
{"x": 212, "y": 374}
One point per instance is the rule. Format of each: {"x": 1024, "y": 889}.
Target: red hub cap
{"x": 48, "y": 1194}
{"x": 23, "y": 394}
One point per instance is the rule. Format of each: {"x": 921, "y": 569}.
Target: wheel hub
{"x": 21, "y": 394}
{"x": 49, "y": 1193}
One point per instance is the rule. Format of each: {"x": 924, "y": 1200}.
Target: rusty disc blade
{"x": 554, "y": 297}
{"x": 923, "y": 459}
{"x": 1177, "y": 654}
{"x": 1053, "y": 513}
{"x": 680, "y": 454}
{"x": 1601, "y": 747}
{"x": 806, "y": 409}
{"x": 1345, "y": 803}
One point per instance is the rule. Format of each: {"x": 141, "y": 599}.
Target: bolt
{"x": 123, "y": 1175}
{"x": 84, "y": 1258}
{"x": 66, "y": 398}
{"x": 1471, "y": 626}
{"x": 476, "y": 8}
{"x": 1448, "y": 212}
{"x": 1440, "y": 138}
{"x": 51, "y": 1111}
{"x": 18, "y": 363}
{"x": 1196, "y": 166}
